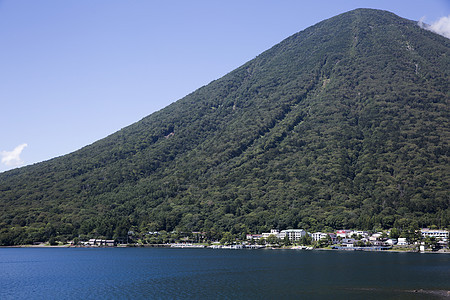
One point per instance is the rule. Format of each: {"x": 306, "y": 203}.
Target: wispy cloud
{"x": 441, "y": 26}
{"x": 12, "y": 158}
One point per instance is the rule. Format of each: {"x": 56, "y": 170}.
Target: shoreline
{"x": 175, "y": 246}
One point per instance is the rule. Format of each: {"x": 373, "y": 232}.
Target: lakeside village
{"x": 424, "y": 240}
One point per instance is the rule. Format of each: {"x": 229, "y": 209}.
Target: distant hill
{"x": 342, "y": 125}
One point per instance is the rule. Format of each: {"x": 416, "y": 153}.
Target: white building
{"x": 254, "y": 236}
{"x": 391, "y": 242}
{"x": 293, "y": 234}
{"x": 436, "y": 233}
{"x": 359, "y": 232}
{"x": 317, "y": 236}
{"x": 348, "y": 243}
{"x": 274, "y": 232}
{"x": 343, "y": 233}
{"x": 100, "y": 242}
{"x": 402, "y": 242}
{"x": 375, "y": 236}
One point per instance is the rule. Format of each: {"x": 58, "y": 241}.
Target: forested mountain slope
{"x": 342, "y": 125}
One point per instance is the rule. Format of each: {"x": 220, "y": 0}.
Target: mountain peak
{"x": 342, "y": 125}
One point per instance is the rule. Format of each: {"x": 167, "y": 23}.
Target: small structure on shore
{"x": 100, "y": 243}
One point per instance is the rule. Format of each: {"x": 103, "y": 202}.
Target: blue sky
{"x": 73, "y": 72}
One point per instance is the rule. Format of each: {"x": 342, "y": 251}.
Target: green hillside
{"x": 342, "y": 125}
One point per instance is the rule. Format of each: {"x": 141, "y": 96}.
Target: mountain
{"x": 342, "y": 125}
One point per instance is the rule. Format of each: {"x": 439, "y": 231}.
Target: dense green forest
{"x": 342, "y": 125}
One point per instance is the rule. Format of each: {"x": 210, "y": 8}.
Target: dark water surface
{"x": 154, "y": 273}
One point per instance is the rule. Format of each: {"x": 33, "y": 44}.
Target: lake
{"x": 162, "y": 273}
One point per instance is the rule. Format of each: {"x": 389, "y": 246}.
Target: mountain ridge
{"x": 299, "y": 136}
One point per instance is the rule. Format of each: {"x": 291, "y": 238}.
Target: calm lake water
{"x": 155, "y": 273}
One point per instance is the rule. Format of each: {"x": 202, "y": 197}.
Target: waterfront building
{"x": 317, "y": 236}
{"x": 348, "y": 243}
{"x": 274, "y": 232}
{"x": 252, "y": 237}
{"x": 333, "y": 237}
{"x": 359, "y": 232}
{"x": 100, "y": 243}
{"x": 402, "y": 242}
{"x": 375, "y": 236}
{"x": 391, "y": 242}
{"x": 436, "y": 233}
{"x": 293, "y": 234}
{"x": 343, "y": 233}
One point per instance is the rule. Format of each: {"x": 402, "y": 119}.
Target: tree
{"x": 394, "y": 234}
{"x": 323, "y": 242}
{"x": 272, "y": 239}
{"x": 412, "y": 234}
{"x": 431, "y": 241}
{"x": 228, "y": 238}
{"x": 52, "y": 241}
{"x": 306, "y": 240}
{"x": 287, "y": 149}
{"x": 261, "y": 241}
{"x": 286, "y": 240}
{"x": 360, "y": 244}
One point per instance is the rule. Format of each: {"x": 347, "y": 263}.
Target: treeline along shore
{"x": 424, "y": 240}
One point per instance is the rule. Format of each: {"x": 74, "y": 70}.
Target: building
{"x": 252, "y": 237}
{"x": 333, "y": 237}
{"x": 100, "y": 243}
{"x": 317, "y": 236}
{"x": 436, "y": 233}
{"x": 343, "y": 233}
{"x": 378, "y": 243}
{"x": 274, "y": 232}
{"x": 359, "y": 232}
{"x": 402, "y": 242}
{"x": 348, "y": 243}
{"x": 375, "y": 236}
{"x": 293, "y": 234}
{"x": 391, "y": 242}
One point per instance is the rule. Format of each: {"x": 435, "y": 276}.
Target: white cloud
{"x": 441, "y": 26}
{"x": 12, "y": 158}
